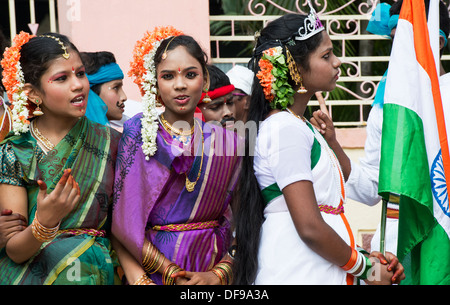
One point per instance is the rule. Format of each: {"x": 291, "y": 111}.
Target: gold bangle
{"x": 167, "y": 274}
{"x": 143, "y": 280}
{"x": 153, "y": 259}
{"x": 223, "y": 271}
{"x": 42, "y": 233}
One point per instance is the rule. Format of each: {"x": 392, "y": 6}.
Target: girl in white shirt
{"x": 290, "y": 225}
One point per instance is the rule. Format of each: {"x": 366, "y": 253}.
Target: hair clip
{"x": 63, "y": 47}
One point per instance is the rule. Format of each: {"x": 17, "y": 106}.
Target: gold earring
{"x": 37, "y": 111}
{"x": 295, "y": 74}
{"x": 302, "y": 89}
{"x": 206, "y": 99}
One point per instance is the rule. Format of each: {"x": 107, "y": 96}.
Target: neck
{"x": 300, "y": 103}
{"x": 55, "y": 129}
{"x": 171, "y": 118}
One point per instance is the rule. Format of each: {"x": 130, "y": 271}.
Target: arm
{"x": 362, "y": 179}
{"x": 311, "y": 227}
{"x": 133, "y": 270}
{"x": 10, "y": 224}
{"x": 51, "y": 209}
{"x": 325, "y": 126}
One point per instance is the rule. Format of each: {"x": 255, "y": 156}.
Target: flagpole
{"x": 383, "y": 226}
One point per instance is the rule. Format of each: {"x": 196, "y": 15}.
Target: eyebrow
{"x": 327, "y": 50}
{"x": 186, "y": 69}
{"x": 67, "y": 71}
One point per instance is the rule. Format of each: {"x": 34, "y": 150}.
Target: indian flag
{"x": 415, "y": 158}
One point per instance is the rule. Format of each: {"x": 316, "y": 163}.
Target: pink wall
{"x": 116, "y": 25}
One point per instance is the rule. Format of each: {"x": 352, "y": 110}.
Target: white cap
{"x": 242, "y": 78}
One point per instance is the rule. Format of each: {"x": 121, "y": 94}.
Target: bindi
{"x": 73, "y": 70}
{"x": 179, "y": 70}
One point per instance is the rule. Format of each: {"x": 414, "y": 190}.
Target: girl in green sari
{"x": 56, "y": 169}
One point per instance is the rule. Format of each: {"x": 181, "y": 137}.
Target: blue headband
{"x": 96, "y": 108}
{"x": 378, "y": 23}
{"x": 105, "y": 74}
{"x": 393, "y": 21}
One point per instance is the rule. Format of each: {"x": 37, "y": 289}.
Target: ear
{"x": 247, "y": 102}
{"x": 441, "y": 42}
{"x": 32, "y": 92}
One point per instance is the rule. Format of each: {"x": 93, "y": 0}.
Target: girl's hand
{"x": 394, "y": 265}
{"x": 10, "y": 224}
{"x": 53, "y": 207}
{"x": 195, "y": 278}
{"x": 322, "y": 121}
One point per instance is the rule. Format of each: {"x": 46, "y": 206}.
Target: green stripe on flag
{"x": 404, "y": 170}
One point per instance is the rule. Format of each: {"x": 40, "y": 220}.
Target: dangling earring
{"x": 37, "y": 111}
{"x": 302, "y": 89}
{"x": 206, "y": 99}
{"x": 295, "y": 74}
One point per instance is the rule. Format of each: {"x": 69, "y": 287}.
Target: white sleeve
{"x": 289, "y": 153}
{"x": 362, "y": 184}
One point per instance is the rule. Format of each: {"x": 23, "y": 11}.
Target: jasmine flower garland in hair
{"x": 149, "y": 118}
{"x": 143, "y": 72}
{"x": 273, "y": 77}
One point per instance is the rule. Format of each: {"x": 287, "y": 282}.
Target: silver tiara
{"x": 312, "y": 25}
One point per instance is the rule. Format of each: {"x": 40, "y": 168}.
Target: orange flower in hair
{"x": 143, "y": 48}
{"x": 13, "y": 80}
{"x": 143, "y": 71}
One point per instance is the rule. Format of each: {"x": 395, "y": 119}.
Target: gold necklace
{"x": 190, "y": 185}
{"x": 169, "y": 128}
{"x": 40, "y": 138}
{"x": 292, "y": 112}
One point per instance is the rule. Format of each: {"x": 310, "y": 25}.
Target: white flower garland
{"x": 20, "y": 100}
{"x": 149, "y": 119}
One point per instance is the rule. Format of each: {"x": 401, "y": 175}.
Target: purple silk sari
{"x": 149, "y": 193}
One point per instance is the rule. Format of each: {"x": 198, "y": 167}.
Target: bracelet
{"x": 167, "y": 274}
{"x": 143, "y": 280}
{"x": 365, "y": 269}
{"x": 152, "y": 260}
{"x": 224, "y": 272}
{"x": 41, "y": 233}
{"x": 352, "y": 261}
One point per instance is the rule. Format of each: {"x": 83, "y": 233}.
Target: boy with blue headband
{"x": 106, "y": 97}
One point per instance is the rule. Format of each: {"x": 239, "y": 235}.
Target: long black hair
{"x": 249, "y": 207}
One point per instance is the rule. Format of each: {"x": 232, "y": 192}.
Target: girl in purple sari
{"x": 175, "y": 173}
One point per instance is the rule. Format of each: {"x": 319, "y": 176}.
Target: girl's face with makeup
{"x": 180, "y": 82}
{"x": 114, "y": 97}
{"x": 64, "y": 88}
{"x": 323, "y": 69}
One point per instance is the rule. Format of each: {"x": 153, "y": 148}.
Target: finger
{"x": 393, "y": 264}
{"x": 382, "y": 259}
{"x": 68, "y": 187}
{"x": 320, "y": 117}
{"x": 6, "y": 212}
{"x": 42, "y": 190}
{"x": 74, "y": 197}
{"x": 322, "y": 103}
{"x": 181, "y": 273}
{"x": 65, "y": 176}
{"x": 314, "y": 123}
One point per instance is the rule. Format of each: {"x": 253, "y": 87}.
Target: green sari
{"x": 90, "y": 150}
